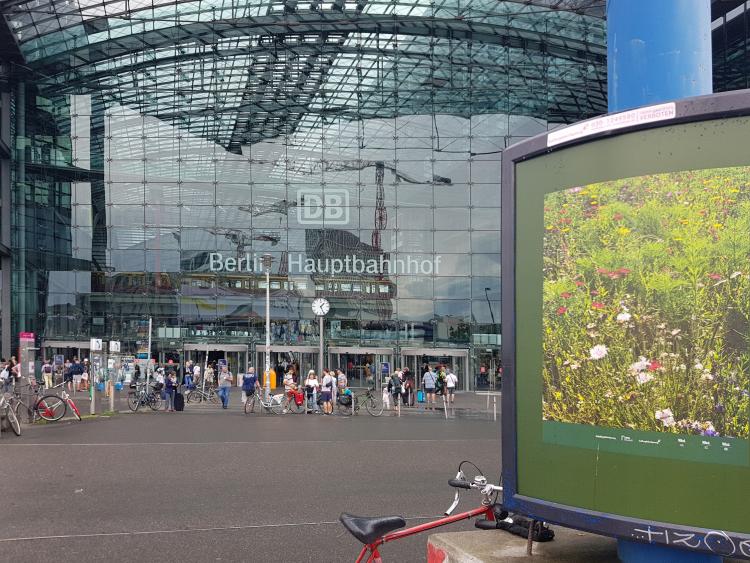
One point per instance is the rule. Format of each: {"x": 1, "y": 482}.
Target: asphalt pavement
{"x": 212, "y": 485}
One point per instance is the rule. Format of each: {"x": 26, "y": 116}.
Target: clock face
{"x": 320, "y": 306}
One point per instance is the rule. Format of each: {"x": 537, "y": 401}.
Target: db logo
{"x": 315, "y": 207}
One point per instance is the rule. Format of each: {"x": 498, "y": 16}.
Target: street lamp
{"x": 267, "y": 260}
{"x": 492, "y": 315}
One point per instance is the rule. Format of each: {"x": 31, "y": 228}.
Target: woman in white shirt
{"x": 451, "y": 380}
{"x": 312, "y": 388}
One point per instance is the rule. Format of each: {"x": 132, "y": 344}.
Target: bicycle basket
{"x": 345, "y": 400}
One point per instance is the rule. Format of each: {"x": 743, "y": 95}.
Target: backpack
{"x": 248, "y": 382}
{"x": 395, "y": 385}
{"x": 439, "y": 382}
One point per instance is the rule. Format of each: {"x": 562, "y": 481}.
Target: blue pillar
{"x": 657, "y": 50}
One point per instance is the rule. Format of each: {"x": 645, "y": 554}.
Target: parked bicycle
{"x": 45, "y": 404}
{"x": 198, "y": 395}
{"x": 348, "y": 405}
{"x": 293, "y": 402}
{"x": 7, "y": 409}
{"x": 274, "y": 403}
{"x": 378, "y": 530}
{"x": 143, "y": 396}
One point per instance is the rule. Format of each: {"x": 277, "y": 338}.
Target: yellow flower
{"x": 718, "y": 226}
{"x": 623, "y": 231}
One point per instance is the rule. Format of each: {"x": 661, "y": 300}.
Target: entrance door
{"x": 359, "y": 363}
{"x": 235, "y": 355}
{"x": 458, "y": 360}
{"x": 489, "y": 359}
{"x": 303, "y": 358}
{"x": 68, "y": 349}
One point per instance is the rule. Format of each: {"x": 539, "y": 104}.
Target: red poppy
{"x": 714, "y": 276}
{"x": 654, "y": 365}
{"x": 597, "y": 305}
{"x": 566, "y": 295}
{"x": 562, "y": 310}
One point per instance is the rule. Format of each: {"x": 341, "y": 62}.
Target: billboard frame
{"x": 696, "y": 539}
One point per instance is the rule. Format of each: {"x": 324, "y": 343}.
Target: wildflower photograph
{"x": 647, "y": 303}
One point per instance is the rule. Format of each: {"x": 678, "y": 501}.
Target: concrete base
{"x": 498, "y": 546}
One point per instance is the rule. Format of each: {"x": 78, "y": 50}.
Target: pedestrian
{"x": 341, "y": 381}
{"x": 428, "y": 382}
{"x": 395, "y": 387}
{"x": 73, "y": 373}
{"x": 170, "y": 390}
{"x": 85, "y": 375}
{"x": 225, "y": 385}
{"x": 47, "y": 374}
{"x": 482, "y": 375}
{"x": 450, "y": 385}
{"x": 312, "y": 387}
{"x": 249, "y": 384}
{"x": 196, "y": 374}
{"x": 329, "y": 382}
{"x": 209, "y": 375}
{"x": 5, "y": 377}
{"x": 187, "y": 375}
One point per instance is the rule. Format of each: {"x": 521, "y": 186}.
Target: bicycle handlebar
{"x": 459, "y": 483}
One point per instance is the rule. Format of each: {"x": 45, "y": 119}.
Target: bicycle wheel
{"x": 134, "y": 401}
{"x": 154, "y": 401}
{"x": 194, "y": 397}
{"x": 74, "y": 409}
{"x": 294, "y": 408}
{"x": 276, "y": 405}
{"x": 373, "y": 406}
{"x": 13, "y": 421}
{"x": 51, "y": 407}
{"x": 250, "y": 404}
{"x": 213, "y": 397}
{"x": 345, "y": 410}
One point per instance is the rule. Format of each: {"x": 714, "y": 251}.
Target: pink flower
{"x": 654, "y": 365}
{"x": 562, "y": 310}
{"x": 714, "y": 276}
{"x": 597, "y": 305}
{"x": 566, "y": 295}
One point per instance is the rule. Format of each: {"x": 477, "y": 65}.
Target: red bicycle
{"x": 377, "y": 530}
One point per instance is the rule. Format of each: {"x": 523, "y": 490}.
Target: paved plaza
{"x": 208, "y": 485}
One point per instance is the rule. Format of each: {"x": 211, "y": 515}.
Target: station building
{"x": 152, "y": 152}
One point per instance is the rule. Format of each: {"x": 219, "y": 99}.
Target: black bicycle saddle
{"x": 369, "y": 528}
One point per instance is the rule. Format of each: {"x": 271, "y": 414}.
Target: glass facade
{"x": 162, "y": 149}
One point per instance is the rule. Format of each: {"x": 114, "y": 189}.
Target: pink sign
{"x": 26, "y": 336}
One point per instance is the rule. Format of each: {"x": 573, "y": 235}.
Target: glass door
{"x": 417, "y": 359}
{"x": 234, "y": 355}
{"x": 360, "y": 363}
{"x": 301, "y": 358}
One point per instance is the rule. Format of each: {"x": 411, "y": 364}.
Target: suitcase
{"x": 179, "y": 402}
{"x": 420, "y": 396}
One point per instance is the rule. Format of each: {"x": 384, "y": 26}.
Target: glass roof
{"x": 238, "y": 73}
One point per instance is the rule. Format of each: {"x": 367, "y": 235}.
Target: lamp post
{"x": 486, "y": 295}
{"x": 267, "y": 260}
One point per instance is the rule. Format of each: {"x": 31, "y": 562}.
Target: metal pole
{"x": 267, "y": 265}
{"x": 148, "y": 355}
{"x": 320, "y": 344}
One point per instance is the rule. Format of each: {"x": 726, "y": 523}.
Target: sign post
{"x": 94, "y": 366}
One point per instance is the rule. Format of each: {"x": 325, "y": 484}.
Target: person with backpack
{"x": 395, "y": 387}
{"x": 440, "y": 381}
{"x": 329, "y": 382}
{"x": 429, "y": 379}
{"x": 47, "y": 374}
{"x": 249, "y": 384}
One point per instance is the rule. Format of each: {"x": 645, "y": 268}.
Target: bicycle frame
{"x": 372, "y": 548}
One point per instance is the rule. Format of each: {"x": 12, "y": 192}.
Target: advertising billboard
{"x": 626, "y": 325}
